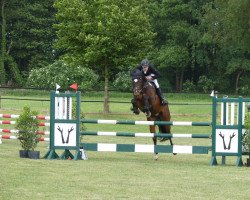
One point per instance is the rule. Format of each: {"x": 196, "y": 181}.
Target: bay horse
{"x": 147, "y": 101}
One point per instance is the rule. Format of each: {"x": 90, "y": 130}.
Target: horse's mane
{"x": 136, "y": 73}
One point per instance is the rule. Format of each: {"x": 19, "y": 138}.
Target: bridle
{"x": 138, "y": 90}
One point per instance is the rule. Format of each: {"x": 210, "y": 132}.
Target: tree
{"x": 3, "y": 44}
{"x": 177, "y": 23}
{"x": 106, "y": 35}
{"x": 27, "y": 37}
{"x": 229, "y": 26}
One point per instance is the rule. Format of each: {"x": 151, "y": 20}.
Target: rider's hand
{"x": 149, "y": 78}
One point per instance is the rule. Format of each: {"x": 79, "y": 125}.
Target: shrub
{"x": 27, "y": 125}
{"x": 122, "y": 81}
{"x": 189, "y": 86}
{"x": 205, "y": 84}
{"x": 63, "y": 74}
{"x": 246, "y": 136}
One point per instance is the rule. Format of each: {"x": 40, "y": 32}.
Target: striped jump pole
{"x": 12, "y": 137}
{"x": 131, "y": 122}
{"x": 17, "y": 131}
{"x": 14, "y": 122}
{"x": 14, "y": 116}
{"x": 145, "y": 148}
{"x": 150, "y": 135}
{"x": 41, "y": 117}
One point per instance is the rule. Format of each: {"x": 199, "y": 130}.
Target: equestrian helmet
{"x": 145, "y": 62}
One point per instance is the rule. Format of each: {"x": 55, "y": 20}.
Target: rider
{"x": 151, "y": 75}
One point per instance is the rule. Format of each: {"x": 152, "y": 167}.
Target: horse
{"x": 147, "y": 101}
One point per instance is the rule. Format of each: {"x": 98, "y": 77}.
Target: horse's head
{"x": 138, "y": 80}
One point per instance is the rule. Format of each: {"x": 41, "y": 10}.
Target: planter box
{"x": 23, "y": 153}
{"x": 34, "y": 154}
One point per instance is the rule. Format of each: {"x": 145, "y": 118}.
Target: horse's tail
{"x": 164, "y": 128}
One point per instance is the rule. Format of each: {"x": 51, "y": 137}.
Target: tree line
{"x": 197, "y": 45}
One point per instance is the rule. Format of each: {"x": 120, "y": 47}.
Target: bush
{"x": 63, "y": 74}
{"x": 189, "y": 86}
{"x": 244, "y": 90}
{"x": 246, "y": 136}
{"x": 123, "y": 82}
{"x": 205, "y": 84}
{"x": 27, "y": 125}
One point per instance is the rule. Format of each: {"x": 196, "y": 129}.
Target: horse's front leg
{"x": 146, "y": 105}
{"x": 152, "y": 130}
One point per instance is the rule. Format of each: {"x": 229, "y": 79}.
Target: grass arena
{"x": 112, "y": 175}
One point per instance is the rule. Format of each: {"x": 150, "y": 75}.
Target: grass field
{"x": 123, "y": 175}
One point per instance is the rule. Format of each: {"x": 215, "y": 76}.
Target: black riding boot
{"x": 134, "y": 108}
{"x": 162, "y": 98}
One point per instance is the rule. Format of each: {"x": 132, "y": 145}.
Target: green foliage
{"x": 205, "y": 84}
{"x": 230, "y": 34}
{"x": 112, "y": 34}
{"x": 29, "y": 35}
{"x": 175, "y": 57}
{"x": 189, "y": 86}
{"x": 177, "y": 24}
{"x": 14, "y": 76}
{"x": 122, "y": 81}
{"x": 246, "y": 137}
{"x": 189, "y": 38}
{"x": 27, "y": 124}
{"x": 63, "y": 74}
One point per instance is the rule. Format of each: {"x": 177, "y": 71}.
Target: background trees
{"x": 197, "y": 45}
{"x": 27, "y": 37}
{"x": 106, "y": 36}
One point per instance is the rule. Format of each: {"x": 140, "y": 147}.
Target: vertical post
{"x": 240, "y": 125}
{"x": 214, "y": 115}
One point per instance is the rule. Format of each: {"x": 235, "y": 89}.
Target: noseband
{"x": 141, "y": 89}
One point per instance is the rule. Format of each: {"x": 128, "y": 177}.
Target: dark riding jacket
{"x": 150, "y": 71}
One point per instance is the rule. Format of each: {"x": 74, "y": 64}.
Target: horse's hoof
{"x": 156, "y": 156}
{"x": 174, "y": 154}
{"x": 148, "y": 114}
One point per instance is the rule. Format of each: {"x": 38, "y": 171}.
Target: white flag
{"x": 57, "y": 86}
{"x": 212, "y": 93}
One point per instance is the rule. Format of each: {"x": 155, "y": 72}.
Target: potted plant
{"x": 27, "y": 124}
{"x": 246, "y": 138}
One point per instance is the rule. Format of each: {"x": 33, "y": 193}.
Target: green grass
{"x": 119, "y": 176}
{"x": 123, "y": 175}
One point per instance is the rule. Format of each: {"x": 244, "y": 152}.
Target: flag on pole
{"x": 74, "y": 86}
{"x": 212, "y": 93}
{"x": 57, "y": 88}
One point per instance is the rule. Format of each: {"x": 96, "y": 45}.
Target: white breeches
{"x": 156, "y": 83}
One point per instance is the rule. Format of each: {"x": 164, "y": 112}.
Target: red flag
{"x": 74, "y": 86}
